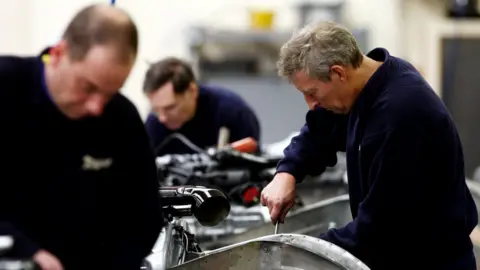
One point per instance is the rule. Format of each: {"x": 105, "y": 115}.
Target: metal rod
{"x": 276, "y": 227}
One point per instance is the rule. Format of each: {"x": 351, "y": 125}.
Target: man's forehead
{"x": 302, "y": 81}
{"x": 110, "y": 53}
{"x": 164, "y": 96}
{"x": 102, "y": 65}
{"x": 108, "y": 80}
{"x": 300, "y": 75}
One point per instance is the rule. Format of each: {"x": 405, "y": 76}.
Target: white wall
{"x": 425, "y": 25}
{"x": 384, "y": 20}
{"x": 163, "y": 25}
{"x": 48, "y": 19}
{"x": 15, "y": 27}
{"x": 29, "y": 25}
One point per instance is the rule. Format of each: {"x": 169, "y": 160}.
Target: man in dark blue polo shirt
{"x": 181, "y": 105}
{"x": 78, "y": 186}
{"x": 410, "y": 204}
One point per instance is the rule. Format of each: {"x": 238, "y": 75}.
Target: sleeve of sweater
{"x": 242, "y": 123}
{"x": 315, "y": 148}
{"x": 11, "y": 73}
{"x": 156, "y": 132}
{"x": 144, "y": 217}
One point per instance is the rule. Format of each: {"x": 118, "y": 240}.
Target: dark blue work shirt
{"x": 216, "y": 108}
{"x": 410, "y": 204}
{"x": 84, "y": 190}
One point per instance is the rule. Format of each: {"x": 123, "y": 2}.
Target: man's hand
{"x": 47, "y": 261}
{"x": 279, "y": 196}
{"x": 475, "y": 236}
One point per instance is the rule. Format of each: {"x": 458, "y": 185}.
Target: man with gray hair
{"x": 410, "y": 204}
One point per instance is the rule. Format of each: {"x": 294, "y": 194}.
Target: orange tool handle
{"x": 246, "y": 145}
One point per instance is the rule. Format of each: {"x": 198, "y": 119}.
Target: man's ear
{"x": 57, "y": 52}
{"x": 339, "y": 71}
{"x": 194, "y": 88}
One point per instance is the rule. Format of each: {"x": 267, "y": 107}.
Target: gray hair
{"x": 317, "y": 47}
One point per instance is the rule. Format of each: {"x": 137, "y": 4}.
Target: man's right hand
{"x": 279, "y": 196}
{"x": 47, "y": 261}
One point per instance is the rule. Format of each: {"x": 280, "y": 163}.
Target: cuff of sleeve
{"x": 290, "y": 168}
{"x": 323, "y": 236}
{"x": 24, "y": 247}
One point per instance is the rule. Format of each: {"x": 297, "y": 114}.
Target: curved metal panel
{"x": 275, "y": 252}
{"x": 169, "y": 250}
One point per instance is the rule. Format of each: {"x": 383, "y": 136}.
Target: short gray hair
{"x": 317, "y": 47}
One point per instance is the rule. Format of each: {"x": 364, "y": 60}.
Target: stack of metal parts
{"x": 321, "y": 198}
{"x": 243, "y": 218}
{"x": 319, "y": 212}
{"x": 310, "y": 220}
{"x": 324, "y": 207}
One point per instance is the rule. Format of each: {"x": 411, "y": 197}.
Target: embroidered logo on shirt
{"x": 95, "y": 164}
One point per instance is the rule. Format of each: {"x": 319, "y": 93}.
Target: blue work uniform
{"x": 410, "y": 203}
{"x": 216, "y": 108}
{"x": 84, "y": 190}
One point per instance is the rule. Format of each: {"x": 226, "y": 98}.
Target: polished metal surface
{"x": 314, "y": 192}
{"x": 276, "y": 252}
{"x": 6, "y": 242}
{"x": 310, "y": 220}
{"x": 169, "y": 250}
{"x": 474, "y": 187}
{"x": 160, "y": 256}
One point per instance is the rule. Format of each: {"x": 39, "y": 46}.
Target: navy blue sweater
{"x": 410, "y": 204}
{"x": 216, "y": 107}
{"x": 84, "y": 190}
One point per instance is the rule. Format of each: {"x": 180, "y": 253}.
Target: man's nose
{"x": 95, "y": 106}
{"x": 311, "y": 103}
{"x": 162, "y": 118}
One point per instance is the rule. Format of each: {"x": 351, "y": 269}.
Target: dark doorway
{"x": 461, "y": 93}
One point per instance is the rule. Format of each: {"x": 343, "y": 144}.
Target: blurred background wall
{"x": 216, "y": 35}
{"x": 29, "y": 25}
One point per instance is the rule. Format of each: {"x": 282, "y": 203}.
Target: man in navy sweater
{"x": 410, "y": 204}
{"x": 79, "y": 187}
{"x": 181, "y": 105}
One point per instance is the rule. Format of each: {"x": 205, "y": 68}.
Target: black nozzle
{"x": 209, "y": 206}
